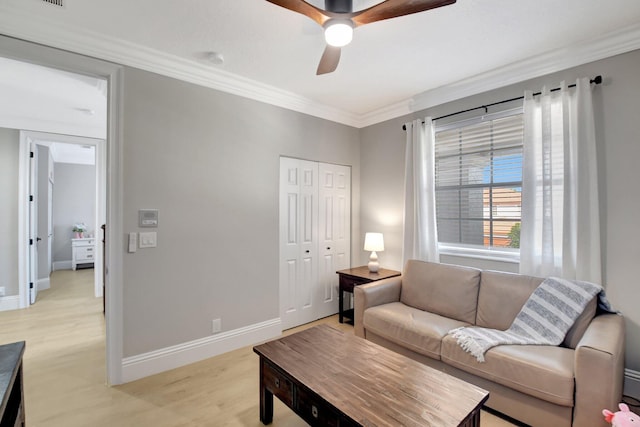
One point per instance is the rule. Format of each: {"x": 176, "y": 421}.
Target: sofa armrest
{"x": 599, "y": 370}
{"x": 372, "y": 294}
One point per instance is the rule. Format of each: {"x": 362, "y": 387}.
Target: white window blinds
{"x": 478, "y": 168}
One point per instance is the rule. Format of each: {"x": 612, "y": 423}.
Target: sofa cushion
{"x": 409, "y": 327}
{"x": 448, "y": 290}
{"x": 501, "y": 297}
{"x": 545, "y": 372}
{"x": 509, "y": 292}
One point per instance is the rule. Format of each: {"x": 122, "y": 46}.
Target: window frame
{"x": 502, "y": 254}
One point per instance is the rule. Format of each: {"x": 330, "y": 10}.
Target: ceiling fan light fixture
{"x": 338, "y": 33}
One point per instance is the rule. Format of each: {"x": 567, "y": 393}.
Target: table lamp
{"x": 375, "y": 243}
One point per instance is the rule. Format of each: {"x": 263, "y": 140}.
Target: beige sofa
{"x": 544, "y": 386}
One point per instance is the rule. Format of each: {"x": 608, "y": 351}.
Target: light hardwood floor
{"x": 64, "y": 372}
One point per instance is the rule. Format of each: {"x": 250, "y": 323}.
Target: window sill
{"x": 480, "y": 253}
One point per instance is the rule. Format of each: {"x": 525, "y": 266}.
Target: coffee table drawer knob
{"x": 314, "y": 411}
{"x": 277, "y": 382}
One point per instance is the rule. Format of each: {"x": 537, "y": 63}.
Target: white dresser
{"x": 82, "y": 251}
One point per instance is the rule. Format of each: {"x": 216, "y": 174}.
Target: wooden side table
{"x": 357, "y": 276}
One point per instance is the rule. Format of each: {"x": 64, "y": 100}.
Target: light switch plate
{"x": 133, "y": 242}
{"x": 148, "y": 239}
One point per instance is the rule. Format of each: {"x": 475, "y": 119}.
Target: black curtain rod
{"x": 597, "y": 80}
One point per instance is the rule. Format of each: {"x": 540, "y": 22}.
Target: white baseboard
{"x": 44, "y": 284}
{"x": 632, "y": 383}
{"x": 143, "y": 365}
{"x": 62, "y": 265}
{"x": 9, "y": 303}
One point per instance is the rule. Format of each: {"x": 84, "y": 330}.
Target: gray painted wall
{"x": 209, "y": 162}
{"x": 74, "y": 200}
{"x": 617, "y": 103}
{"x": 9, "y": 151}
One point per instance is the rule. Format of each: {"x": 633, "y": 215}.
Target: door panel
{"x": 289, "y": 262}
{"x": 335, "y": 242}
{"x": 289, "y": 300}
{"x": 298, "y": 220}
{"x": 33, "y": 218}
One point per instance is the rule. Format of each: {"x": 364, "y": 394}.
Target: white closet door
{"x": 315, "y": 230}
{"x": 298, "y": 240}
{"x": 334, "y": 237}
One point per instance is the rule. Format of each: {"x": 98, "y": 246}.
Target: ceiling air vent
{"x": 55, "y": 2}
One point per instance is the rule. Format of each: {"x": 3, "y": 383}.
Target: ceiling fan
{"x": 339, "y": 20}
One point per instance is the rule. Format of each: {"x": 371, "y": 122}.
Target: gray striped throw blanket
{"x": 545, "y": 318}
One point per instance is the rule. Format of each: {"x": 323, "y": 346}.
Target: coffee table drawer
{"x": 315, "y": 411}
{"x": 278, "y": 384}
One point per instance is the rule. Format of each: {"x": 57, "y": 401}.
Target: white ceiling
{"x": 390, "y": 68}
{"x": 44, "y": 99}
{"x": 73, "y": 153}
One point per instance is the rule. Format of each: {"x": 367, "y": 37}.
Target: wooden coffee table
{"x": 330, "y": 378}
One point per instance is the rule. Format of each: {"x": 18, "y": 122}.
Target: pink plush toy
{"x": 622, "y": 418}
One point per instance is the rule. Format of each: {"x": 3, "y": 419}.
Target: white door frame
{"x": 27, "y": 138}
{"x": 50, "y": 57}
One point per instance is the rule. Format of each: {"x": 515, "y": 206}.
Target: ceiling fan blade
{"x": 394, "y": 8}
{"x": 329, "y": 61}
{"x": 306, "y": 9}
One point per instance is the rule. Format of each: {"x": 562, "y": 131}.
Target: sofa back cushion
{"x": 502, "y": 295}
{"x": 447, "y": 290}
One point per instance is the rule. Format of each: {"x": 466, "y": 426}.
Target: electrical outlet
{"x": 216, "y": 325}
{"x": 2, "y": 291}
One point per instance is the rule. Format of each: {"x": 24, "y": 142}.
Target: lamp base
{"x": 373, "y": 262}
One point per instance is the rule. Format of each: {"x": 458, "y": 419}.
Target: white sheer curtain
{"x": 420, "y": 235}
{"x": 560, "y": 233}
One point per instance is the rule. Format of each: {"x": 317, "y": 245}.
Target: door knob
{"x": 38, "y": 239}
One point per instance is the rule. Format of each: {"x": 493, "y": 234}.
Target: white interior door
{"x": 33, "y": 217}
{"x": 334, "y": 237}
{"x": 298, "y": 240}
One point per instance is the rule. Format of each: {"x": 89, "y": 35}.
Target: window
{"x": 478, "y": 168}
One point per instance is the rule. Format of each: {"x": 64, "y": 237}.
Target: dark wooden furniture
{"x": 331, "y": 378}
{"x": 357, "y": 276}
{"x": 11, "y": 386}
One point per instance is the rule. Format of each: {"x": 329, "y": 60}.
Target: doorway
{"x": 112, "y": 77}
{"x": 79, "y": 199}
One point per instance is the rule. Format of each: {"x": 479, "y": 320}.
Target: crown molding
{"x": 20, "y": 25}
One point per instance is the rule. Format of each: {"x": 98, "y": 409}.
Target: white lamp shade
{"x": 373, "y": 242}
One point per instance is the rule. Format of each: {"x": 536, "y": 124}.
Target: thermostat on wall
{"x": 148, "y": 218}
